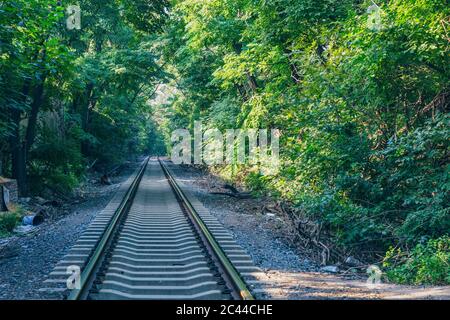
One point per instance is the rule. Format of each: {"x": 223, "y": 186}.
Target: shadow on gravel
{"x": 25, "y": 261}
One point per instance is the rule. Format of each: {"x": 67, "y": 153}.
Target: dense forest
{"x": 69, "y": 96}
{"x": 359, "y": 89}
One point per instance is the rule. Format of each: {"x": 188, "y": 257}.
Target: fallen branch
{"x": 243, "y": 195}
{"x": 111, "y": 172}
{"x": 231, "y": 188}
{"x": 234, "y": 193}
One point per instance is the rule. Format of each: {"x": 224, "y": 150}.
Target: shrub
{"x": 427, "y": 263}
{"x": 56, "y": 160}
{"x": 61, "y": 182}
{"x": 9, "y": 220}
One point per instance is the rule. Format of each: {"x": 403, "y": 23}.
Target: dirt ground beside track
{"x": 287, "y": 271}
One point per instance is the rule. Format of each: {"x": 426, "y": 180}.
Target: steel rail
{"x": 88, "y": 274}
{"x": 236, "y": 281}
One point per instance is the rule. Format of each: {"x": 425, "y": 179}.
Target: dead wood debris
{"x": 234, "y": 193}
{"x": 307, "y": 233}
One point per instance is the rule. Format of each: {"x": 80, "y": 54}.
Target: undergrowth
{"x": 9, "y": 220}
{"x": 427, "y": 263}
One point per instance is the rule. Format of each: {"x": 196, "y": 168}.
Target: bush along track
{"x": 9, "y": 220}
{"x": 425, "y": 263}
{"x": 360, "y": 91}
{"x": 362, "y": 106}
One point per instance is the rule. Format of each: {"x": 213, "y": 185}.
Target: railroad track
{"x": 154, "y": 241}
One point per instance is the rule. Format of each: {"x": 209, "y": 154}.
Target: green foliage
{"x": 73, "y": 97}
{"x": 427, "y": 263}
{"x": 363, "y": 112}
{"x": 57, "y": 162}
{"x": 406, "y": 197}
{"x": 417, "y": 181}
{"x": 145, "y": 15}
{"x": 9, "y": 220}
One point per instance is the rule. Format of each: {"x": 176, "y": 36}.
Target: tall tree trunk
{"x": 251, "y": 79}
{"x": 85, "y": 105}
{"x": 241, "y": 91}
{"x": 38, "y": 96}
{"x": 22, "y": 179}
{"x": 18, "y": 159}
{"x": 18, "y": 156}
{"x": 295, "y": 76}
{"x": 19, "y": 148}
{"x": 252, "y": 82}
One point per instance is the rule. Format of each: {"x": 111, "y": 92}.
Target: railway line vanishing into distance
{"x": 153, "y": 241}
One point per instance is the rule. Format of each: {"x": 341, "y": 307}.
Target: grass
{"x": 9, "y": 220}
{"x": 426, "y": 264}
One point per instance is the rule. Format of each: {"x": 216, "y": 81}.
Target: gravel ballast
{"x": 25, "y": 261}
{"x": 288, "y": 273}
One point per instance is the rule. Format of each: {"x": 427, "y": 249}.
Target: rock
{"x": 331, "y": 269}
{"x": 9, "y": 252}
{"x": 24, "y": 229}
{"x": 270, "y": 215}
{"x": 351, "y": 261}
